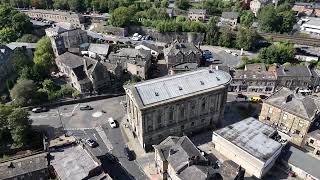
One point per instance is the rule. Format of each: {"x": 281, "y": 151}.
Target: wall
{"x": 117, "y": 31}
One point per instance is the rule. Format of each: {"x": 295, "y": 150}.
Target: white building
{"x": 248, "y": 143}
{"x": 311, "y": 25}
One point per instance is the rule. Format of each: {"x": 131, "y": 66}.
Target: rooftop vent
{"x": 156, "y": 93}
{"x": 289, "y": 98}
{"x": 201, "y": 82}
{"x": 218, "y": 79}
{"x": 180, "y": 88}
{"x": 210, "y": 71}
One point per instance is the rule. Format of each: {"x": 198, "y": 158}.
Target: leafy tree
{"x": 24, "y": 92}
{"x": 7, "y": 35}
{"x": 182, "y": 4}
{"x": 19, "y": 124}
{"x": 121, "y": 17}
{"x": 112, "y": 5}
{"x": 29, "y": 38}
{"x": 246, "y": 18}
{"x": 5, "y": 111}
{"x": 61, "y": 4}
{"x": 164, "y": 3}
{"x": 21, "y": 24}
{"x": 268, "y": 19}
{"x": 43, "y": 56}
{"x": 76, "y": 5}
{"x": 49, "y": 86}
{"x": 278, "y": 53}
{"x": 225, "y": 37}
{"x": 288, "y": 20}
{"x": 212, "y": 35}
{"x": 246, "y": 38}
{"x": 21, "y": 59}
{"x": 26, "y": 73}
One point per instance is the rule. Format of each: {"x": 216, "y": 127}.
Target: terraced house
{"x": 293, "y": 114}
{"x": 176, "y": 105}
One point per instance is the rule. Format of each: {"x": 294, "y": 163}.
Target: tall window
{"x": 203, "y": 104}
{"x": 285, "y": 116}
{"x": 171, "y": 114}
{"x": 182, "y": 110}
{"x": 270, "y": 110}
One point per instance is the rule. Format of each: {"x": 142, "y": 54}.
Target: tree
{"x": 23, "y": 92}
{"x": 43, "y": 56}
{"x": 182, "y": 4}
{"x": 225, "y": 37}
{"x": 21, "y": 24}
{"x": 246, "y": 18}
{"x": 19, "y": 124}
{"x": 29, "y": 38}
{"x": 21, "y": 59}
{"x": 268, "y": 19}
{"x": 7, "y": 35}
{"x": 288, "y": 20}
{"x": 121, "y": 17}
{"x": 212, "y": 35}
{"x": 49, "y": 86}
{"x": 164, "y": 3}
{"x": 76, "y": 5}
{"x": 246, "y": 38}
{"x": 278, "y": 53}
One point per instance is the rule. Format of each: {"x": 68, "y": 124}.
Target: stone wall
{"x": 117, "y": 31}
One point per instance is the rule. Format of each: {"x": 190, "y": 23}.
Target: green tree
{"x": 76, "y": 5}
{"x": 212, "y": 35}
{"x": 21, "y": 59}
{"x": 288, "y": 20}
{"x": 268, "y": 19}
{"x": 164, "y": 3}
{"x": 21, "y": 24}
{"x": 246, "y": 38}
{"x": 225, "y": 39}
{"x": 29, "y": 38}
{"x": 20, "y": 125}
{"x": 23, "y": 92}
{"x": 246, "y": 18}
{"x": 7, "y": 35}
{"x": 279, "y": 53}
{"x": 182, "y": 4}
{"x": 121, "y": 17}
{"x": 49, "y": 86}
{"x": 43, "y": 56}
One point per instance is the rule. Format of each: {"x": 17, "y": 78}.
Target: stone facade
{"x": 197, "y": 15}
{"x": 229, "y": 19}
{"x": 292, "y": 77}
{"x": 154, "y": 115}
{"x": 292, "y": 114}
{"x": 57, "y": 16}
{"x": 312, "y": 142}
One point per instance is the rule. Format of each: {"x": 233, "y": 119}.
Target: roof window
{"x": 156, "y": 93}
{"x": 201, "y": 82}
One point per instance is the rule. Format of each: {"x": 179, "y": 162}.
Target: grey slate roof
{"x": 303, "y": 106}
{"x": 230, "y": 15}
{"x": 14, "y": 45}
{"x": 101, "y": 49}
{"x": 294, "y": 71}
{"x": 150, "y": 46}
{"x": 130, "y": 52}
{"x": 54, "y": 12}
{"x": 169, "y": 88}
{"x": 5, "y": 54}
{"x": 185, "y": 66}
{"x": 23, "y": 166}
{"x": 197, "y": 11}
{"x": 252, "y": 136}
{"x": 255, "y": 67}
{"x": 178, "y": 151}
{"x": 177, "y": 47}
{"x": 254, "y": 75}
{"x": 303, "y": 161}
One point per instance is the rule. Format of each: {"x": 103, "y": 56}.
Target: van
{"x": 112, "y": 122}
{"x": 256, "y": 99}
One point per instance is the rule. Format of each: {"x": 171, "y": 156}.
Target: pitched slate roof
{"x": 303, "y": 106}
{"x": 150, "y": 46}
{"x": 294, "y": 71}
{"x": 197, "y": 11}
{"x": 177, "y": 47}
{"x": 253, "y": 75}
{"x": 14, "y": 45}
{"x": 24, "y": 165}
{"x": 230, "y": 15}
{"x": 101, "y": 49}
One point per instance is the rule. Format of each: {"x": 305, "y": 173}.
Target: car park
{"x": 112, "y": 122}
{"x": 128, "y": 153}
{"x": 85, "y": 107}
{"x": 91, "y": 143}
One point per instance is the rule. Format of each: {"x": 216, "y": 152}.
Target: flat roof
{"x": 171, "y": 87}
{"x": 252, "y": 136}
{"x": 72, "y": 163}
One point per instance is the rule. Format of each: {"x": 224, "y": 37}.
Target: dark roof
{"x": 24, "y": 165}
{"x": 70, "y": 60}
{"x": 150, "y": 46}
{"x": 230, "y": 15}
{"x": 253, "y": 75}
{"x": 255, "y": 67}
{"x": 197, "y": 11}
{"x": 5, "y": 53}
{"x": 294, "y": 71}
{"x": 178, "y": 152}
{"x": 303, "y": 161}
{"x": 303, "y": 106}
{"x": 177, "y": 47}
{"x": 185, "y": 66}
{"x": 315, "y": 134}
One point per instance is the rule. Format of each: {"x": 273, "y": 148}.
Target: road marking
{"x": 74, "y": 109}
{"x": 94, "y": 135}
{"x": 72, "y": 129}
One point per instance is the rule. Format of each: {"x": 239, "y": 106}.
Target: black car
{"x": 86, "y": 107}
{"x": 263, "y": 96}
{"x": 241, "y": 96}
{"x": 128, "y": 153}
{"x": 113, "y": 159}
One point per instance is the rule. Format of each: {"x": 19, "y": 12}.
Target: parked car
{"x": 113, "y": 159}
{"x": 128, "y": 153}
{"x": 241, "y": 96}
{"x": 263, "y": 96}
{"x": 112, "y": 123}
{"x": 228, "y": 51}
{"x": 235, "y": 54}
{"x": 139, "y": 37}
{"x": 39, "y": 109}
{"x": 92, "y": 143}
{"x": 255, "y": 99}
{"x": 85, "y": 107}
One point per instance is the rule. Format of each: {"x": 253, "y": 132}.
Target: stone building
{"x": 177, "y": 158}
{"x": 135, "y": 61}
{"x": 291, "y": 113}
{"x": 229, "y": 19}
{"x": 64, "y": 37}
{"x": 177, "y": 53}
{"x": 183, "y": 67}
{"x": 254, "y": 78}
{"x": 176, "y": 105}
{"x": 312, "y": 142}
{"x": 197, "y": 15}
{"x": 85, "y": 74}
{"x": 256, "y": 5}
{"x": 5, "y": 64}
{"x": 292, "y": 77}
{"x": 57, "y": 16}
{"x": 249, "y": 143}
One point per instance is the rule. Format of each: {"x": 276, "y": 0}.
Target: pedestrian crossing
{"x": 76, "y": 129}
{"x": 104, "y": 137}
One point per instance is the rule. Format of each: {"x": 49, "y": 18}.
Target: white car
{"x": 235, "y": 54}
{"x": 135, "y": 35}
{"x": 112, "y": 122}
{"x": 227, "y": 51}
